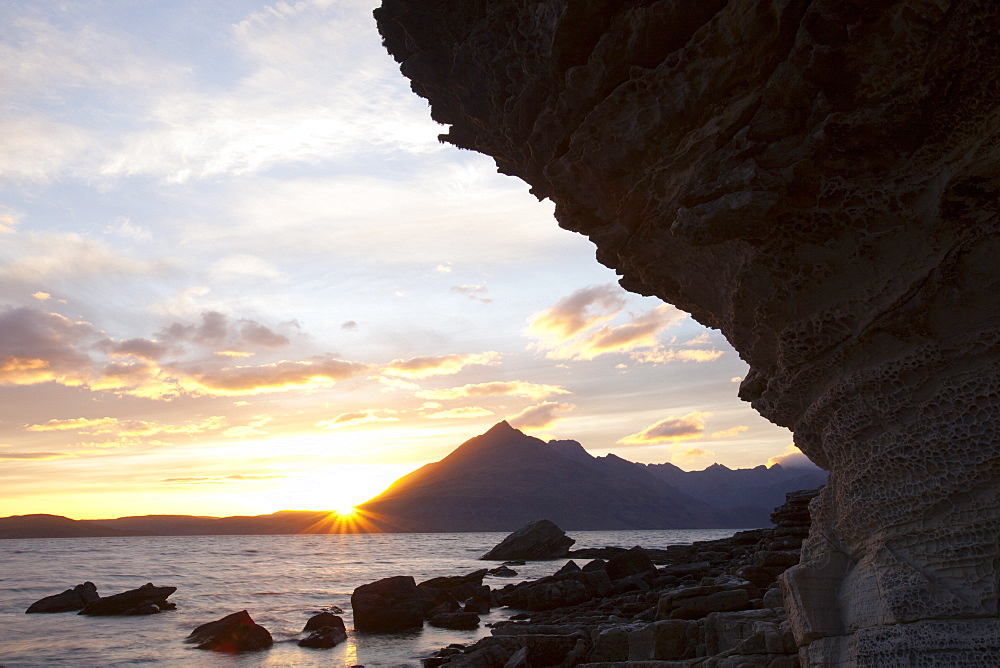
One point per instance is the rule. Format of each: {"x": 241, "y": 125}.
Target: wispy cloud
{"x": 793, "y": 458}
{"x": 442, "y": 365}
{"x": 476, "y": 292}
{"x": 540, "y": 416}
{"x": 672, "y": 429}
{"x": 464, "y": 412}
{"x": 732, "y": 431}
{"x": 316, "y": 373}
{"x": 34, "y": 455}
{"x": 515, "y": 388}
{"x": 356, "y": 418}
{"x": 579, "y": 326}
{"x": 219, "y": 480}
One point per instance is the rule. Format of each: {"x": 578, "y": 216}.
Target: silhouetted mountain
{"x": 57, "y": 526}
{"x": 503, "y": 479}
{"x": 758, "y": 490}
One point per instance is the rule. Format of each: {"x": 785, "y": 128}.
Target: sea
{"x": 280, "y": 580}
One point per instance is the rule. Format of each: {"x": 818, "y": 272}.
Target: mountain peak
{"x": 502, "y": 427}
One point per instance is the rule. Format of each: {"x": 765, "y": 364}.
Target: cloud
{"x": 578, "y": 327}
{"x": 39, "y": 347}
{"x": 476, "y": 292}
{"x": 539, "y": 416}
{"x": 34, "y": 455}
{"x": 581, "y": 310}
{"x": 127, "y": 428}
{"x": 9, "y": 220}
{"x": 149, "y": 349}
{"x": 516, "y": 388}
{"x": 252, "y": 428}
{"x": 736, "y": 379}
{"x": 444, "y": 365}
{"x": 672, "y": 429}
{"x": 793, "y": 458}
{"x": 66, "y": 257}
{"x": 316, "y": 373}
{"x": 219, "y": 332}
{"x": 463, "y": 412}
{"x": 688, "y": 456}
{"x": 659, "y": 354}
{"x": 243, "y": 266}
{"x": 42, "y": 296}
{"x": 732, "y": 431}
{"x": 349, "y": 325}
{"x": 218, "y": 480}
{"x": 354, "y": 419}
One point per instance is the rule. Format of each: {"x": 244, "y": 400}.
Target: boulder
{"x": 324, "y": 637}
{"x": 455, "y": 620}
{"x": 324, "y": 619}
{"x": 387, "y": 605}
{"x": 233, "y": 633}
{"x": 502, "y": 572}
{"x": 540, "y": 539}
{"x": 76, "y": 598}
{"x": 146, "y": 600}
{"x": 628, "y": 563}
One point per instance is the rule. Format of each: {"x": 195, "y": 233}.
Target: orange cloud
{"x": 514, "y": 388}
{"x": 663, "y": 355}
{"x": 672, "y": 429}
{"x": 792, "y": 458}
{"x": 39, "y": 347}
{"x": 34, "y": 455}
{"x": 732, "y": 431}
{"x": 354, "y": 419}
{"x": 219, "y": 479}
{"x": 464, "y": 412}
{"x": 277, "y": 377}
{"x": 581, "y": 310}
{"x": 41, "y": 296}
{"x": 127, "y": 428}
{"x": 540, "y": 416}
{"x": 444, "y": 365}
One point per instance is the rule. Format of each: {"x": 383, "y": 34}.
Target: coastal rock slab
{"x": 819, "y": 181}
{"x": 387, "y": 605}
{"x": 146, "y": 600}
{"x": 76, "y": 598}
{"x": 540, "y": 539}
{"x": 233, "y": 633}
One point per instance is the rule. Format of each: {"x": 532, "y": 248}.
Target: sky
{"x": 239, "y": 273}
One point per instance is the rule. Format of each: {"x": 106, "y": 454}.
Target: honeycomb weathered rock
{"x": 818, "y": 179}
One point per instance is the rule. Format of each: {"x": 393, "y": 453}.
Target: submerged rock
{"x": 324, "y": 637}
{"x": 146, "y": 600}
{"x": 76, "y": 598}
{"x": 233, "y": 633}
{"x": 540, "y": 539}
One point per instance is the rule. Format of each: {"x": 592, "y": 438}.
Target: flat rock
{"x": 76, "y": 598}
{"x": 146, "y": 600}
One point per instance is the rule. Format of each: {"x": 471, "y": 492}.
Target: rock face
{"x": 540, "y": 539}
{"x": 818, "y": 180}
{"x": 72, "y": 599}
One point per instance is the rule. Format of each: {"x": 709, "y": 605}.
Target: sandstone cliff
{"x": 819, "y": 180}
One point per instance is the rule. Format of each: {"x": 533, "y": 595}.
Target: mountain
{"x": 503, "y": 479}
{"x": 758, "y": 490}
{"x": 57, "y": 526}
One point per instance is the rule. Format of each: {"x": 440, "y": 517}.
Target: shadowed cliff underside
{"x": 819, "y": 180}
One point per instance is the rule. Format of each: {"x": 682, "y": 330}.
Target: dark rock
{"x": 324, "y": 619}
{"x": 596, "y": 565}
{"x": 146, "y": 600}
{"x": 629, "y": 563}
{"x": 514, "y": 562}
{"x": 325, "y": 637}
{"x": 387, "y": 605}
{"x": 72, "y": 599}
{"x": 568, "y": 567}
{"x": 540, "y": 539}
{"x": 502, "y": 572}
{"x": 455, "y": 620}
{"x": 233, "y": 633}
{"x": 480, "y": 604}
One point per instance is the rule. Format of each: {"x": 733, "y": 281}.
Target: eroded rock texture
{"x": 819, "y": 180}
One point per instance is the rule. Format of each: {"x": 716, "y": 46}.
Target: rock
{"x": 324, "y": 619}
{"x": 480, "y": 604}
{"x": 668, "y": 639}
{"x": 518, "y": 659}
{"x": 325, "y": 637}
{"x": 540, "y": 539}
{"x": 629, "y": 563}
{"x": 146, "y": 600}
{"x": 698, "y": 602}
{"x": 387, "y": 605}
{"x": 502, "y": 572}
{"x": 233, "y": 633}
{"x": 455, "y": 620}
{"x": 569, "y": 567}
{"x": 825, "y": 196}
{"x": 72, "y": 599}
{"x": 460, "y": 587}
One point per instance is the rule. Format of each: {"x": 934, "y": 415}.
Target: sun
{"x": 346, "y": 511}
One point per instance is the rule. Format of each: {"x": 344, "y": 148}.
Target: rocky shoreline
{"x": 713, "y": 604}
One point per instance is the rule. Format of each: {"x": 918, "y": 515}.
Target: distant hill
{"x": 500, "y": 481}
{"x": 57, "y": 526}
{"x": 503, "y": 479}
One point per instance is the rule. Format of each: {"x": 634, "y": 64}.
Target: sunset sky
{"x": 239, "y": 273}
